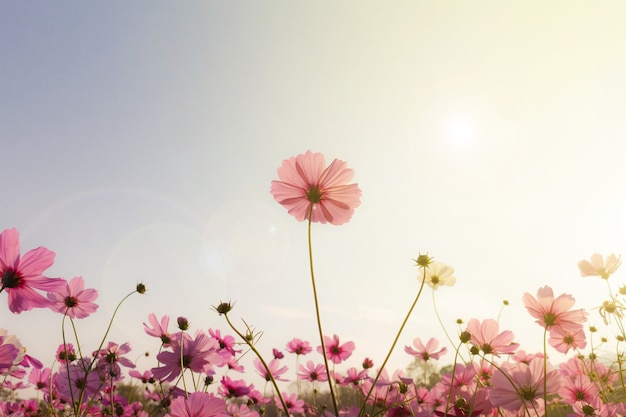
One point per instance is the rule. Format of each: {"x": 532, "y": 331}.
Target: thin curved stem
{"x": 393, "y": 345}
{"x": 319, "y": 320}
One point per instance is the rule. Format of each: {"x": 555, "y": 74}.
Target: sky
{"x": 139, "y": 140}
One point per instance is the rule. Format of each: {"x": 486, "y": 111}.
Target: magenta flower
{"x": 485, "y": 337}
{"x": 158, "y": 329}
{"x": 230, "y": 388}
{"x": 312, "y": 372}
{"x": 294, "y": 405}
{"x": 73, "y": 299}
{"x": 306, "y": 186}
{"x": 76, "y": 382}
{"x": 520, "y": 386}
{"x": 66, "y": 353}
{"x": 21, "y": 276}
{"x": 274, "y": 370}
{"x": 199, "y": 354}
{"x": 226, "y": 342}
{"x": 199, "y": 404}
{"x": 597, "y": 267}
{"x": 554, "y": 312}
{"x": 335, "y": 352}
{"x": 110, "y": 359}
{"x": 425, "y": 352}
{"x": 299, "y": 347}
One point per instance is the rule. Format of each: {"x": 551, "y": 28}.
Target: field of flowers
{"x": 198, "y": 373}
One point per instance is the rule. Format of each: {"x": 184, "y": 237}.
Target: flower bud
{"x": 183, "y": 323}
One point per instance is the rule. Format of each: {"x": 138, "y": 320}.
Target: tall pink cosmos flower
{"x": 554, "y": 312}
{"x": 337, "y": 353}
{"x": 485, "y": 336}
{"x": 199, "y": 404}
{"x": 22, "y": 275}
{"x": 74, "y": 299}
{"x": 425, "y": 352}
{"x": 598, "y": 267}
{"x": 578, "y": 388}
{"x": 8, "y": 355}
{"x": 307, "y": 186}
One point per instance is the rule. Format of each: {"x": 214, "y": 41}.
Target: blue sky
{"x": 139, "y": 141}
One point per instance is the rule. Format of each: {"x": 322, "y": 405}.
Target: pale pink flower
{"x": 40, "y": 379}
{"x": 425, "y": 352}
{"x": 485, "y": 336}
{"x": 299, "y": 347}
{"x": 312, "y": 372}
{"x": 74, "y": 300}
{"x": 198, "y": 404}
{"x": 22, "y": 275}
{"x": 517, "y": 387}
{"x": 274, "y": 369}
{"x": 554, "y": 312}
{"x": 597, "y": 267}
{"x": 563, "y": 340}
{"x": 240, "y": 410}
{"x": 335, "y": 352}
{"x": 438, "y": 274}
{"x": 307, "y": 186}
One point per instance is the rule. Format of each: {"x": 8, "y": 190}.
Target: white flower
{"x": 438, "y": 273}
{"x": 597, "y": 267}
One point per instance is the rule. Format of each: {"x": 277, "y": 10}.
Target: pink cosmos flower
{"x": 230, "y": 388}
{"x": 353, "y": 376}
{"x": 22, "y": 275}
{"x": 40, "y": 379}
{"x": 425, "y": 352}
{"x": 110, "y": 359}
{"x": 8, "y": 355}
{"x": 74, "y": 300}
{"x": 554, "y": 312}
{"x": 564, "y": 340}
{"x": 578, "y": 388}
{"x": 240, "y": 410}
{"x": 294, "y": 405}
{"x": 199, "y": 354}
{"x": 517, "y": 387}
{"x": 336, "y": 353}
{"x": 306, "y": 186}
{"x": 299, "y": 347}
{"x": 486, "y": 337}
{"x": 145, "y": 377}
{"x": 274, "y": 367}
{"x": 77, "y": 383}
{"x": 66, "y": 353}
{"x": 597, "y": 267}
{"x": 227, "y": 342}
{"x": 312, "y": 372}
{"x": 158, "y": 329}
{"x": 199, "y": 404}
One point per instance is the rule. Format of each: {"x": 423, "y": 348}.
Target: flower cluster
{"x": 199, "y": 373}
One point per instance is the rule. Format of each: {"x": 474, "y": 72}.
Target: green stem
{"x": 545, "y": 372}
{"x": 319, "y": 320}
{"x": 258, "y": 355}
{"x": 393, "y": 345}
